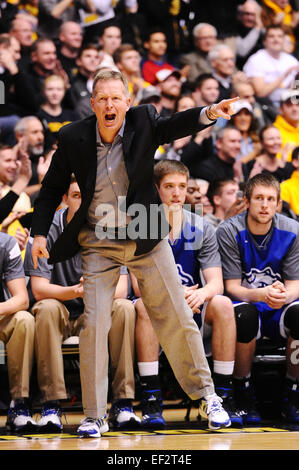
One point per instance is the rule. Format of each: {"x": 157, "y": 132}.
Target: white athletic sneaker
{"x": 210, "y": 409}
{"x": 19, "y": 417}
{"x": 121, "y": 415}
{"x": 50, "y": 418}
{"x": 92, "y": 427}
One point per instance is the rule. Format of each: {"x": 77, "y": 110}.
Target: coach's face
{"x": 110, "y": 103}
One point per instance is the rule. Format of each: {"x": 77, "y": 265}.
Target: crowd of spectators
{"x": 175, "y": 54}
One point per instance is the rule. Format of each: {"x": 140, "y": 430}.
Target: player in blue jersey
{"x": 194, "y": 246}
{"x": 260, "y": 258}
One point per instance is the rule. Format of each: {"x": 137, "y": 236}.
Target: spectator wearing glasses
{"x": 204, "y": 39}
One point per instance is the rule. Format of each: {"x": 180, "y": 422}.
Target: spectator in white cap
{"x": 169, "y": 83}
{"x": 150, "y": 95}
{"x": 245, "y": 121}
{"x": 287, "y": 121}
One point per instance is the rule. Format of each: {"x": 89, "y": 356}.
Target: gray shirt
{"x": 11, "y": 264}
{"x": 276, "y": 258}
{"x": 111, "y": 184}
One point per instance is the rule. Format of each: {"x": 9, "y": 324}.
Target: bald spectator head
{"x": 70, "y": 37}
{"x": 204, "y": 37}
{"x": 248, "y": 13}
{"x": 22, "y": 29}
{"x": 222, "y": 59}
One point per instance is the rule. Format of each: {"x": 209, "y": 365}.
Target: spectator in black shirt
{"x": 220, "y": 165}
{"x": 88, "y": 63}
{"x": 52, "y": 114}
{"x": 70, "y": 42}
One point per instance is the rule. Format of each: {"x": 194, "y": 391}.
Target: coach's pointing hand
{"x": 224, "y": 109}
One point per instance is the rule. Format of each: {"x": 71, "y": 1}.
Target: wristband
{"x": 210, "y": 113}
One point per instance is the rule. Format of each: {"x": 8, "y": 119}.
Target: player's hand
{"x": 194, "y": 297}
{"x": 39, "y": 249}
{"x": 275, "y": 295}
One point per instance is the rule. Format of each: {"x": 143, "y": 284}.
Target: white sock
{"x": 148, "y": 368}
{"x": 224, "y": 367}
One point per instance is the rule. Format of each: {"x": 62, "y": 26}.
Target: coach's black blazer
{"x": 144, "y": 131}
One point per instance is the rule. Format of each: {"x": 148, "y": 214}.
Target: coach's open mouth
{"x": 110, "y": 117}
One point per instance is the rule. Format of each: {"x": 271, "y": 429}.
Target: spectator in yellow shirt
{"x": 290, "y": 187}
{"x": 287, "y": 121}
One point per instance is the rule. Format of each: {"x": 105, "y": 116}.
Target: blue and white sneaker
{"x": 50, "y": 420}
{"x": 290, "y": 403}
{"x": 19, "y": 417}
{"x": 151, "y": 405}
{"x": 228, "y": 403}
{"x": 211, "y": 409}
{"x": 121, "y": 415}
{"x": 92, "y": 427}
{"x": 246, "y": 401}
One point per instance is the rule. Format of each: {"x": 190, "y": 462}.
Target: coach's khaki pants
{"x": 163, "y": 297}
{"x": 53, "y": 327}
{"x": 17, "y": 332}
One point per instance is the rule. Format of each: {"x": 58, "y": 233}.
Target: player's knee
{"x": 291, "y": 321}
{"x": 222, "y": 308}
{"x": 247, "y": 322}
{"x": 124, "y": 310}
{"x": 24, "y": 319}
{"x": 49, "y": 312}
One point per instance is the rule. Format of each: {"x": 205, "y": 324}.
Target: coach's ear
{"x": 92, "y": 103}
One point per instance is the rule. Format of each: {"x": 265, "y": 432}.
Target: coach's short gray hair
{"x": 110, "y": 74}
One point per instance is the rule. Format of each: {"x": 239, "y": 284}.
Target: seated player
{"x": 58, "y": 291}
{"x": 17, "y": 333}
{"x": 260, "y": 255}
{"x": 194, "y": 246}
